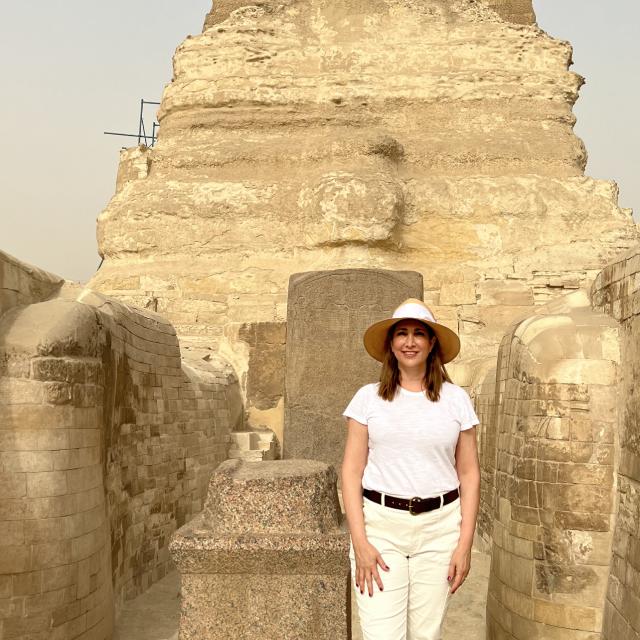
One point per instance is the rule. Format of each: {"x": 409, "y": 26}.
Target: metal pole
{"x": 140, "y": 125}
{"x": 127, "y": 135}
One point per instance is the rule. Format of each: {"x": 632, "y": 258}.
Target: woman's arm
{"x": 355, "y": 459}
{"x": 468, "y": 469}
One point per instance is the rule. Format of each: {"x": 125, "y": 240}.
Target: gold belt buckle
{"x": 411, "y": 511}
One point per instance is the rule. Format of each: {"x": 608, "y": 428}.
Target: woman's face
{"x": 411, "y": 344}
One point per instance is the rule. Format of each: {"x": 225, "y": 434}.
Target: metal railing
{"x": 148, "y": 139}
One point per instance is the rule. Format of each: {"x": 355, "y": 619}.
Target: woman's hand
{"x": 459, "y": 567}
{"x": 368, "y": 559}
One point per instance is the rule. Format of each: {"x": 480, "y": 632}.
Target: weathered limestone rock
{"x": 617, "y": 291}
{"x": 266, "y": 560}
{"x": 308, "y": 135}
{"x": 555, "y": 423}
{"x": 326, "y": 363}
{"x": 107, "y": 442}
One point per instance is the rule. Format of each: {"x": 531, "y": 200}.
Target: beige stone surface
{"x": 287, "y": 146}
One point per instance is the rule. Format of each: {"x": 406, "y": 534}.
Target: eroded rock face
{"x": 307, "y": 135}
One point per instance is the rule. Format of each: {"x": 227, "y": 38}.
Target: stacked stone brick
{"x": 617, "y": 291}
{"x": 107, "y": 442}
{"x": 554, "y": 503}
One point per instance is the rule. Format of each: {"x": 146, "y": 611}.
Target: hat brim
{"x": 376, "y": 334}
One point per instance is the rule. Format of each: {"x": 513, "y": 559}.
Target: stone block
{"x": 50, "y": 554}
{"x": 567, "y": 616}
{"x": 327, "y": 314}
{"x": 14, "y": 559}
{"x": 54, "y": 578}
{"x": 14, "y": 391}
{"x": 26, "y": 461}
{"x": 457, "y": 293}
{"x": 44, "y": 530}
{"x": 84, "y": 478}
{"x": 45, "y": 484}
{"x": 25, "y": 584}
{"x": 18, "y": 440}
{"x": 34, "y": 626}
{"x": 505, "y": 292}
{"x": 58, "y": 392}
{"x": 270, "y": 534}
{"x": 13, "y": 485}
{"x": 11, "y": 533}
{"x": 31, "y": 417}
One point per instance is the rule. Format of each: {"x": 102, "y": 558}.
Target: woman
{"x": 411, "y": 458}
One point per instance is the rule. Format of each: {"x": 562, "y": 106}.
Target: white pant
{"x": 417, "y": 550}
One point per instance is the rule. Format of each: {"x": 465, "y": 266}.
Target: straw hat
{"x": 411, "y": 309}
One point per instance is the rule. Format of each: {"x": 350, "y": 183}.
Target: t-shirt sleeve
{"x": 358, "y": 407}
{"x": 466, "y": 413}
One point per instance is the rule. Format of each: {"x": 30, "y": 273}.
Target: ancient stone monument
{"x": 267, "y": 558}
{"x": 287, "y": 146}
{"x": 327, "y": 314}
{"x": 554, "y": 502}
{"x": 296, "y": 137}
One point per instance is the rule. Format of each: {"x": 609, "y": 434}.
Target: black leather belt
{"x": 413, "y": 505}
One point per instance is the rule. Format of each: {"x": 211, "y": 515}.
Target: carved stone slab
{"x": 326, "y": 363}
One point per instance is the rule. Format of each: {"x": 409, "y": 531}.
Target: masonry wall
{"x": 107, "y": 442}
{"x": 483, "y": 391}
{"x": 555, "y": 484}
{"x": 617, "y": 291}
{"x": 20, "y": 283}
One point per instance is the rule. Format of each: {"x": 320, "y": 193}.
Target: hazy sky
{"x": 73, "y": 69}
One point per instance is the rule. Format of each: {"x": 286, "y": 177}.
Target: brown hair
{"x": 434, "y": 376}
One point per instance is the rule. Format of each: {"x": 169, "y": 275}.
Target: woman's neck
{"x": 412, "y": 379}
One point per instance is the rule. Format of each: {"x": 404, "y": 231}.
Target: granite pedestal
{"x": 267, "y": 558}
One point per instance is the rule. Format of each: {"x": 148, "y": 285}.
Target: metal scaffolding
{"x": 148, "y": 139}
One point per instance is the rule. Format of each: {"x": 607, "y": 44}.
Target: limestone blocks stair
{"x": 253, "y": 446}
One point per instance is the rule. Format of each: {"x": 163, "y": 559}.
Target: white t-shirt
{"x": 412, "y": 440}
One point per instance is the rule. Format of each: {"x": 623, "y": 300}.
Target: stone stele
{"x": 327, "y": 314}
{"x": 267, "y": 559}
